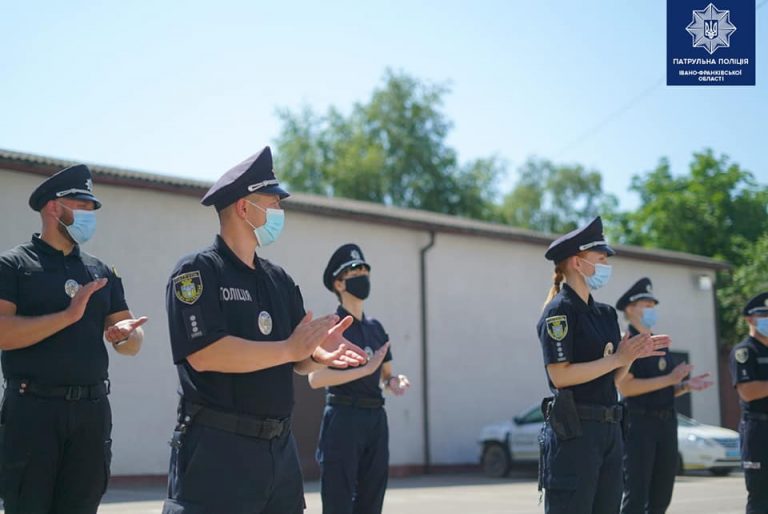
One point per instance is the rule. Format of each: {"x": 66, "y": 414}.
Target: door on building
{"x": 682, "y": 403}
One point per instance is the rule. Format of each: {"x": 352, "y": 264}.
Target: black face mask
{"x": 359, "y": 287}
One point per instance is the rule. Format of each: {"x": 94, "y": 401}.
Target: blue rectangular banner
{"x": 710, "y": 43}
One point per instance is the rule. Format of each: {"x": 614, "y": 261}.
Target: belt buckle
{"x": 74, "y": 393}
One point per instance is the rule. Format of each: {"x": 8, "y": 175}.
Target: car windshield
{"x": 685, "y": 421}
{"x": 531, "y": 415}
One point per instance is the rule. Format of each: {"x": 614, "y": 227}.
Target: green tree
{"x": 716, "y": 210}
{"x": 555, "y": 198}
{"x": 391, "y": 149}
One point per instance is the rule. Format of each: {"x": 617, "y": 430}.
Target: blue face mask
{"x": 649, "y": 317}
{"x": 83, "y": 225}
{"x": 761, "y": 324}
{"x": 600, "y": 277}
{"x": 271, "y": 229}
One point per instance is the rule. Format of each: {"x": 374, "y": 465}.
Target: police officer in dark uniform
{"x": 749, "y": 371}
{"x": 649, "y": 390}
{"x": 238, "y": 332}
{"x": 354, "y": 480}
{"x": 58, "y": 305}
{"x": 584, "y": 354}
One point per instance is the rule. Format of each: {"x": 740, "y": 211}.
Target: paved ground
{"x": 471, "y": 494}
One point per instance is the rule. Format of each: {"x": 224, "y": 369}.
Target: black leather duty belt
{"x": 66, "y": 392}
{"x": 234, "y": 423}
{"x": 350, "y": 401}
{"x": 656, "y": 413}
{"x": 613, "y": 414}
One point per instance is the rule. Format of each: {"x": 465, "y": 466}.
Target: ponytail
{"x": 557, "y": 279}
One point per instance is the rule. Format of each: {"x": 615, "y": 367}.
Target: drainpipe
{"x": 424, "y": 352}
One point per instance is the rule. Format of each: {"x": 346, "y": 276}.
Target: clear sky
{"x": 190, "y": 88}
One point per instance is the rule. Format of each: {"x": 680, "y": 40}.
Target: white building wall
{"x": 484, "y": 297}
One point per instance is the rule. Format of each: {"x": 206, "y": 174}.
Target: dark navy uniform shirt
{"x": 212, "y": 294}
{"x": 749, "y": 362}
{"x": 651, "y": 367}
{"x": 573, "y": 331}
{"x": 37, "y": 278}
{"x": 369, "y": 335}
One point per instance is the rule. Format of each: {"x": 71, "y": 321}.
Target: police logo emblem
{"x": 89, "y": 185}
{"x": 369, "y": 352}
{"x": 265, "y": 323}
{"x": 766, "y": 302}
{"x": 355, "y": 254}
{"x": 649, "y": 288}
{"x": 741, "y": 355}
{"x": 188, "y": 287}
{"x": 711, "y": 28}
{"x": 662, "y": 363}
{"x": 71, "y": 287}
{"x": 608, "y": 350}
{"x": 557, "y": 327}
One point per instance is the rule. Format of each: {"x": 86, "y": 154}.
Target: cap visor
{"x": 274, "y": 190}
{"x": 87, "y": 197}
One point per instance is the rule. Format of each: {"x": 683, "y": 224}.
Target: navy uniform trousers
{"x": 583, "y": 475}
{"x": 754, "y": 456}
{"x": 353, "y": 453}
{"x": 650, "y": 463}
{"x": 218, "y": 472}
{"x": 56, "y": 454}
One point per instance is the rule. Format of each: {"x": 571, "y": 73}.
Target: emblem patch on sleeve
{"x": 188, "y": 287}
{"x": 557, "y": 327}
{"x": 741, "y": 355}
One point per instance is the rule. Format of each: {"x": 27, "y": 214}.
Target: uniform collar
{"x": 41, "y": 246}
{"x": 225, "y": 251}
{"x": 576, "y": 300}
{"x": 343, "y": 313}
{"x": 632, "y": 330}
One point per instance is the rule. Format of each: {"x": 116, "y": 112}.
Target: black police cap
{"x": 641, "y": 290}
{"x": 757, "y": 305}
{"x": 589, "y": 237}
{"x": 345, "y": 257}
{"x": 73, "y": 182}
{"x": 253, "y": 175}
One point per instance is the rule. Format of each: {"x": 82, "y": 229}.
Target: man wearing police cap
{"x": 58, "y": 305}
{"x": 355, "y": 480}
{"x": 749, "y": 371}
{"x": 238, "y": 332}
{"x": 649, "y": 389}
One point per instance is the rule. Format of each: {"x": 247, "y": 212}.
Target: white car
{"x": 515, "y": 441}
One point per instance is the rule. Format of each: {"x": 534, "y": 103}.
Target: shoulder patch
{"x": 188, "y": 287}
{"x": 557, "y": 327}
{"x": 741, "y": 355}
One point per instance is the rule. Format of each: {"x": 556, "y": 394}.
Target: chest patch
{"x": 608, "y": 350}
{"x": 188, "y": 287}
{"x": 662, "y": 363}
{"x": 235, "y": 294}
{"x": 557, "y": 327}
{"x": 71, "y": 287}
{"x": 265, "y": 323}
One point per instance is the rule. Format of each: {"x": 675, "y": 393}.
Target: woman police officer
{"x": 649, "y": 389}
{"x": 584, "y": 356}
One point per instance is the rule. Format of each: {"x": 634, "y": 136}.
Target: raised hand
{"x": 79, "y": 302}
{"x": 699, "y": 382}
{"x": 308, "y": 334}
{"x": 641, "y": 346}
{"x": 123, "y": 329}
{"x": 681, "y": 371}
{"x": 399, "y": 385}
{"x": 338, "y": 352}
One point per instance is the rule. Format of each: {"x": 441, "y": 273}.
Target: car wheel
{"x": 680, "y": 467}
{"x": 721, "y": 472}
{"x": 496, "y": 461}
